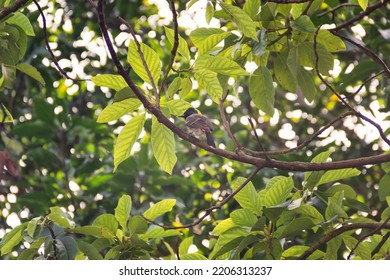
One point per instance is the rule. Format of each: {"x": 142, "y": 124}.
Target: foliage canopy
{"x": 96, "y": 163}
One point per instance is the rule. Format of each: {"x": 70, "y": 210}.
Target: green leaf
{"x": 115, "y": 82}
{"x": 208, "y": 80}
{"x": 117, "y": 109}
{"x": 31, "y": 71}
{"x": 283, "y": 74}
{"x": 163, "y": 145}
{"x": 336, "y": 175}
{"x": 207, "y": 38}
{"x": 107, "y": 221}
{"x": 384, "y": 187}
{"x": 243, "y": 217}
{"x": 177, "y": 106}
{"x": 331, "y": 42}
{"x": 262, "y": 91}
{"x": 22, "y": 21}
{"x": 60, "y": 217}
{"x": 160, "y": 208}
{"x": 97, "y": 231}
{"x": 126, "y": 139}
{"x": 306, "y": 83}
{"x": 252, "y": 8}
{"x": 332, "y": 248}
{"x": 122, "y": 211}
{"x": 357, "y": 205}
{"x": 159, "y": 233}
{"x": 8, "y": 117}
{"x": 90, "y": 251}
{"x": 174, "y": 87}
{"x": 325, "y": 60}
{"x": 138, "y": 224}
{"x": 219, "y": 64}
{"x": 303, "y": 24}
{"x": 313, "y": 177}
{"x": 297, "y": 250}
{"x": 11, "y": 239}
{"x": 229, "y": 240}
{"x": 185, "y": 245}
{"x": 209, "y": 12}
{"x": 349, "y": 192}
{"x": 277, "y": 190}
{"x": 193, "y": 257}
{"x": 363, "y": 4}
{"x": 294, "y": 227}
{"x": 247, "y": 197}
{"x": 310, "y": 212}
{"x": 242, "y": 19}
{"x": 183, "y": 46}
{"x": 223, "y": 226}
{"x": 151, "y": 58}
{"x": 124, "y": 93}
{"x": 335, "y": 207}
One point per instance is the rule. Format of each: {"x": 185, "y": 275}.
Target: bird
{"x": 199, "y": 124}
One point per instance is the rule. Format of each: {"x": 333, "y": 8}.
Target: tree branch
{"x": 337, "y": 232}
{"x": 11, "y": 8}
{"x": 358, "y": 17}
{"x": 175, "y": 44}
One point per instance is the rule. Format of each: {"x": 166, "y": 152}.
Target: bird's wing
{"x": 199, "y": 122}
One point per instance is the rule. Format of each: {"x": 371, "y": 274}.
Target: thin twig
{"x": 364, "y": 83}
{"x": 258, "y": 139}
{"x": 380, "y": 244}
{"x": 150, "y": 76}
{"x": 337, "y": 8}
{"x": 342, "y": 100}
{"x": 361, "y": 15}
{"x": 45, "y": 35}
{"x": 361, "y": 239}
{"x": 369, "y": 52}
{"x": 208, "y": 211}
{"x": 174, "y": 47}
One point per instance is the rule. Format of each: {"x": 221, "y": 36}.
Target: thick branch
{"x": 336, "y": 233}
{"x": 11, "y": 8}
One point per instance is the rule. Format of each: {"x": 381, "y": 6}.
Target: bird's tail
{"x": 210, "y": 140}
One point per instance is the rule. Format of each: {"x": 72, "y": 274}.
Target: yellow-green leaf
{"x": 242, "y": 19}
{"x": 60, "y": 217}
{"x": 115, "y": 82}
{"x": 252, "y": 8}
{"x": 177, "y": 106}
{"x": 262, "y": 91}
{"x": 122, "y": 210}
{"x": 331, "y": 42}
{"x": 336, "y": 175}
{"x": 207, "y": 38}
{"x": 183, "y": 46}
{"x": 208, "y": 80}
{"x": 219, "y": 64}
{"x": 127, "y": 138}
{"x": 283, "y": 74}
{"x": 117, "y": 109}
{"x": 247, "y": 197}
{"x": 278, "y": 189}
{"x": 363, "y": 4}
{"x": 151, "y": 58}
{"x": 163, "y": 144}
{"x": 160, "y": 208}
{"x": 19, "y": 19}
{"x": 7, "y": 118}
{"x": 209, "y": 11}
